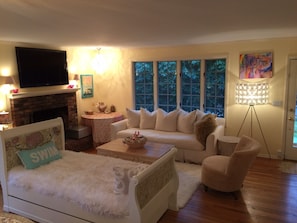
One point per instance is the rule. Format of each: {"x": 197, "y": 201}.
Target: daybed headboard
{"x": 28, "y": 137}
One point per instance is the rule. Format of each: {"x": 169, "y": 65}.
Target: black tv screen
{"x": 41, "y": 67}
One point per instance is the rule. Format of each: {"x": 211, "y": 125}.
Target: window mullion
{"x": 202, "y": 85}
{"x": 178, "y": 83}
{"x": 155, "y": 69}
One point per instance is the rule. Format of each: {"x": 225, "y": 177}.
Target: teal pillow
{"x": 40, "y": 155}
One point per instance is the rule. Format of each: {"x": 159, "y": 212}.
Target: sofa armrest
{"x": 212, "y": 139}
{"x": 118, "y": 126}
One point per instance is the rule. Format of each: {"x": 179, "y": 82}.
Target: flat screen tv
{"x": 41, "y": 67}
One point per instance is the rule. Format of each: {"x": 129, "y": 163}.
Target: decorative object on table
{"x": 86, "y": 85}
{"x": 89, "y": 112}
{"x": 136, "y": 141}
{"x": 255, "y": 65}
{"x": 112, "y": 108}
{"x": 101, "y": 106}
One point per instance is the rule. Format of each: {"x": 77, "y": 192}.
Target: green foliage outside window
{"x": 167, "y": 85}
{"x": 190, "y": 85}
{"x": 143, "y": 83}
{"x": 190, "y": 90}
{"x": 215, "y": 86}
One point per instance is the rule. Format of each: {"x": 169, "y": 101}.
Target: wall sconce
{"x": 252, "y": 94}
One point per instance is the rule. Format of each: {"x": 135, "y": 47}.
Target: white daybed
{"x": 151, "y": 192}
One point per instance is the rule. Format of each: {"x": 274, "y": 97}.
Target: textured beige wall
{"x": 114, "y": 85}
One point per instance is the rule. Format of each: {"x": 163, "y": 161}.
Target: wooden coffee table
{"x": 148, "y": 154}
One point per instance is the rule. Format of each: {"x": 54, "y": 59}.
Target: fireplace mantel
{"x": 41, "y": 93}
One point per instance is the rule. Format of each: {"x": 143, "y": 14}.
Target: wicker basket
{"x": 135, "y": 143}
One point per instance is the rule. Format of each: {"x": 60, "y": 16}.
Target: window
{"x": 190, "y": 85}
{"x": 215, "y": 86}
{"x": 143, "y": 85}
{"x": 200, "y": 85}
{"x": 167, "y": 85}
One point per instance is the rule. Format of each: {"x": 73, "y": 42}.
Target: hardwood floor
{"x": 268, "y": 196}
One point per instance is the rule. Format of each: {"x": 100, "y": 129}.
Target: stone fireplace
{"x": 28, "y": 109}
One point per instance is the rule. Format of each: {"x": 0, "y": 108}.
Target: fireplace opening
{"x": 46, "y": 114}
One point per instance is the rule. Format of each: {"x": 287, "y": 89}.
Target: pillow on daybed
{"x": 185, "y": 121}
{"x": 133, "y": 117}
{"x": 33, "y": 158}
{"x": 147, "y": 119}
{"x": 204, "y": 127}
{"x": 123, "y": 176}
{"x": 166, "y": 121}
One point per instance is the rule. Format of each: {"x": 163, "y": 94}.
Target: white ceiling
{"x": 141, "y": 23}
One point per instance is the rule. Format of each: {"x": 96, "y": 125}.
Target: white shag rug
{"x": 189, "y": 180}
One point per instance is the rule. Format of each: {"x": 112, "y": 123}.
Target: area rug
{"x": 288, "y": 167}
{"x": 13, "y": 218}
{"x": 189, "y": 180}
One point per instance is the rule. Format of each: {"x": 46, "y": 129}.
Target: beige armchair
{"x": 227, "y": 173}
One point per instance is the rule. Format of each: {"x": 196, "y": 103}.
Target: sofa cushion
{"x": 133, "y": 117}
{"x": 179, "y": 139}
{"x": 204, "y": 127}
{"x": 185, "y": 121}
{"x": 166, "y": 121}
{"x": 147, "y": 119}
{"x": 199, "y": 115}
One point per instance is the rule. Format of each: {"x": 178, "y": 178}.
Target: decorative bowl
{"x": 89, "y": 112}
{"x": 135, "y": 142}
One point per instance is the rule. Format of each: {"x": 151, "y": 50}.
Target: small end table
{"x": 227, "y": 144}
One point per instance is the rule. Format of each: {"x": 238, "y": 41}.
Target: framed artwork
{"x": 255, "y": 65}
{"x": 86, "y": 81}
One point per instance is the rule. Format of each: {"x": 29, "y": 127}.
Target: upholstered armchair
{"x": 227, "y": 173}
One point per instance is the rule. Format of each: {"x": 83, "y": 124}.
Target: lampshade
{"x": 252, "y": 93}
{"x": 9, "y": 80}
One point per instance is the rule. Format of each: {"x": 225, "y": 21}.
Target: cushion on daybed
{"x": 41, "y": 155}
{"x": 123, "y": 176}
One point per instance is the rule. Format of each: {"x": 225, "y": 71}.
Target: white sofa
{"x": 176, "y": 127}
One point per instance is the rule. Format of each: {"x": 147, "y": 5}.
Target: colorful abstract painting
{"x": 255, "y": 65}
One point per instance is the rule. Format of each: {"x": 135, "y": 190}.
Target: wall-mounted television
{"x": 41, "y": 67}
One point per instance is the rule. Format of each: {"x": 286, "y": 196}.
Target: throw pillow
{"x": 123, "y": 176}
{"x": 199, "y": 115}
{"x": 33, "y": 158}
{"x": 204, "y": 127}
{"x": 133, "y": 117}
{"x": 166, "y": 121}
{"x": 147, "y": 119}
{"x": 185, "y": 121}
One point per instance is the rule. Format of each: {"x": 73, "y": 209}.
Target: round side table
{"x": 227, "y": 144}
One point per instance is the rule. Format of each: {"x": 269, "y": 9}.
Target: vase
{"x": 102, "y": 107}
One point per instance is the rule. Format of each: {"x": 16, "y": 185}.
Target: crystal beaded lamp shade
{"x": 252, "y": 93}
